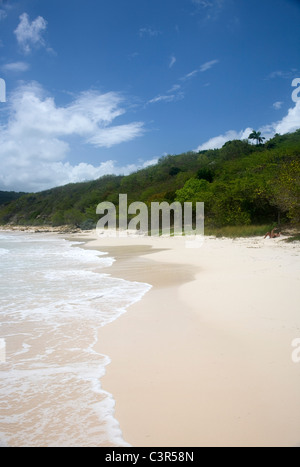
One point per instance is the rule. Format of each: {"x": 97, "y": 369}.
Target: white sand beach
{"x": 205, "y": 358}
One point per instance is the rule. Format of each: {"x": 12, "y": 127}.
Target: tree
{"x": 257, "y": 136}
{"x": 73, "y": 217}
{"x": 58, "y": 218}
{"x": 194, "y": 190}
{"x": 174, "y": 171}
{"x": 206, "y": 173}
{"x": 287, "y": 190}
{"x": 235, "y": 148}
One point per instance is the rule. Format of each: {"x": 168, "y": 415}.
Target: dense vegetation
{"x": 8, "y": 196}
{"x": 241, "y": 184}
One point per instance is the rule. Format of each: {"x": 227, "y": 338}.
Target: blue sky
{"x": 99, "y": 87}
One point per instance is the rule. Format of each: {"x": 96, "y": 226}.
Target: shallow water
{"x": 53, "y": 298}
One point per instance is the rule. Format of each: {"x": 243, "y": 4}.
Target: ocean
{"x": 53, "y": 299}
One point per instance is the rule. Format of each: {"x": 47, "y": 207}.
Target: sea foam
{"x": 53, "y": 299}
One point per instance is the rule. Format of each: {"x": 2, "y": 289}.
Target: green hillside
{"x": 241, "y": 184}
{"x": 8, "y": 196}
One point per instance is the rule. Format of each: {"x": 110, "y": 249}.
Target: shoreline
{"x": 204, "y": 359}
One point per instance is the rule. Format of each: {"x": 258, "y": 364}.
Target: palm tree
{"x": 257, "y": 136}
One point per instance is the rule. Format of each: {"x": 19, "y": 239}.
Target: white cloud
{"x": 284, "y": 74}
{"x": 47, "y": 175}
{"x": 189, "y": 75}
{"x": 289, "y": 123}
{"x": 166, "y": 98}
{"x": 16, "y": 67}
{"x": 118, "y": 134}
{"x": 174, "y": 94}
{"x": 219, "y": 141}
{"x": 174, "y": 88}
{"x": 276, "y": 74}
{"x": 212, "y": 8}
{"x": 150, "y": 32}
{"x": 277, "y": 105}
{"x": 148, "y": 163}
{"x": 209, "y": 3}
{"x": 36, "y": 139}
{"x": 29, "y": 34}
{"x": 3, "y": 14}
{"x": 172, "y": 61}
{"x": 204, "y": 67}
{"x": 203, "y": 3}
{"x": 133, "y": 55}
{"x": 5, "y": 6}
{"x": 89, "y": 116}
